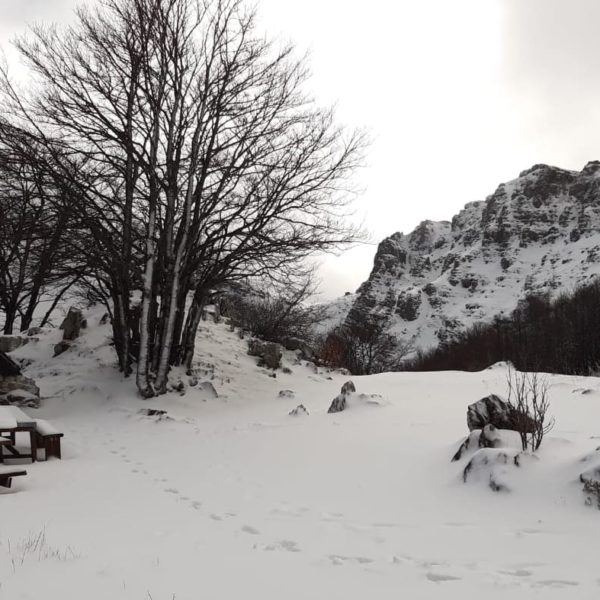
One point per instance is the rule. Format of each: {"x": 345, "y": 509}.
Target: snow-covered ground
{"x": 233, "y": 498}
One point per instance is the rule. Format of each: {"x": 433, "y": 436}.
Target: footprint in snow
{"x": 287, "y": 545}
{"x": 339, "y": 559}
{"x": 557, "y": 583}
{"x": 518, "y": 573}
{"x": 250, "y": 530}
{"x": 439, "y": 578}
{"x": 171, "y": 491}
{"x": 196, "y": 505}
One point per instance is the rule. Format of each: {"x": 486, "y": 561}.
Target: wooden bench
{"x": 7, "y": 474}
{"x": 48, "y": 438}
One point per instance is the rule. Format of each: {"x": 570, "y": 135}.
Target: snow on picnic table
{"x": 232, "y": 497}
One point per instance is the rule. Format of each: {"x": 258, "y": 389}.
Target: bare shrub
{"x": 275, "y": 315}
{"x": 363, "y": 349}
{"x": 529, "y": 404}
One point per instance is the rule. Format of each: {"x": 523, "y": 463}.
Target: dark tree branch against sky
{"x": 458, "y": 96}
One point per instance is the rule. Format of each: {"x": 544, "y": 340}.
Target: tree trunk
{"x": 191, "y": 327}
{"x": 142, "y": 378}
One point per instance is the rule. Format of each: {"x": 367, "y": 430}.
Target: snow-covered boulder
{"x": 339, "y": 402}
{"x": 488, "y": 437}
{"x": 348, "y": 397}
{"x": 21, "y": 398}
{"x": 299, "y": 411}
{"x": 8, "y": 343}
{"x": 208, "y": 391}
{"x": 348, "y": 388}
{"x": 270, "y": 353}
{"x": 495, "y": 467}
{"x": 470, "y": 445}
{"x": 298, "y": 345}
{"x": 15, "y": 388}
{"x": 71, "y": 326}
{"x": 591, "y": 479}
{"x": 491, "y": 410}
{"x": 492, "y": 437}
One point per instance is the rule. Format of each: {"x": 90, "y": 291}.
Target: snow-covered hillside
{"x": 231, "y": 497}
{"x": 537, "y": 233}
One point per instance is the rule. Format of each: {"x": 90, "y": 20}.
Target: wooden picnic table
{"x": 12, "y": 421}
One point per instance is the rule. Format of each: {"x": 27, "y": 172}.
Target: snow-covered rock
{"x": 488, "y": 437}
{"x": 299, "y": 411}
{"x": 494, "y": 467}
{"x": 340, "y": 401}
{"x": 269, "y": 353}
{"x": 8, "y": 343}
{"x": 491, "y": 410}
{"x": 591, "y": 478}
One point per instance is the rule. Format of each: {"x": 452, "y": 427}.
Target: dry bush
{"x": 363, "y": 349}
{"x": 274, "y": 315}
{"x": 529, "y": 404}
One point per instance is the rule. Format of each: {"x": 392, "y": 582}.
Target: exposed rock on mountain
{"x": 538, "y": 233}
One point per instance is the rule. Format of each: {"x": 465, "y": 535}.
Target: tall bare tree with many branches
{"x": 196, "y": 155}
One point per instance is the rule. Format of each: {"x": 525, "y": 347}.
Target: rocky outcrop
{"x": 538, "y": 233}
{"x": 15, "y": 388}
{"x": 298, "y": 345}
{"x": 9, "y": 343}
{"x": 71, "y": 326}
{"x": 491, "y": 410}
{"x": 270, "y": 354}
{"x": 339, "y": 402}
{"x": 299, "y": 411}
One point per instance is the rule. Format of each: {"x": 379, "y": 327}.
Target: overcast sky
{"x": 458, "y": 95}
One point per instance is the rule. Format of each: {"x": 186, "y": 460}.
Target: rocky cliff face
{"x": 538, "y": 233}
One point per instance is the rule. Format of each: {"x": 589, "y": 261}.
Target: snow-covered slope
{"x": 232, "y": 498}
{"x": 537, "y": 233}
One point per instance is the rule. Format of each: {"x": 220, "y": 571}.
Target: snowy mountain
{"x": 538, "y": 233}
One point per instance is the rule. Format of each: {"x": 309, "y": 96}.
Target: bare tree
{"x": 197, "y": 157}
{"x": 36, "y": 227}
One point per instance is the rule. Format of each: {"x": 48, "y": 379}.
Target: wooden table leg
{"x": 33, "y": 445}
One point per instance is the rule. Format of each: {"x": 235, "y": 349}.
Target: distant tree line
{"x": 164, "y": 148}
{"x": 560, "y": 335}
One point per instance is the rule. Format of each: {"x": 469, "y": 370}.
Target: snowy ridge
{"x": 538, "y": 233}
